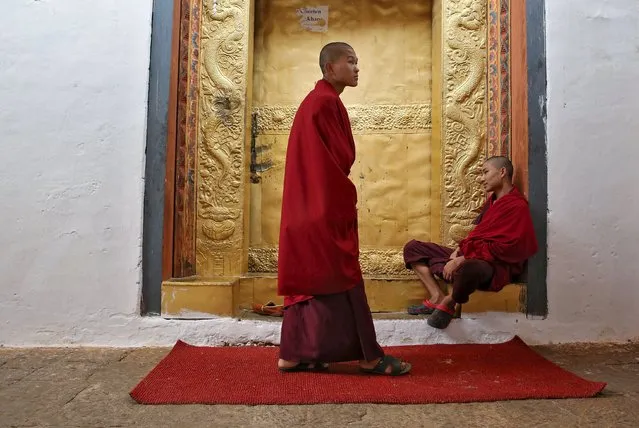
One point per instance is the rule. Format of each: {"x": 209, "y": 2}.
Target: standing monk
{"x": 490, "y": 257}
{"x": 326, "y": 317}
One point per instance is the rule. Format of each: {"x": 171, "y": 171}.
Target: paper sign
{"x": 314, "y": 18}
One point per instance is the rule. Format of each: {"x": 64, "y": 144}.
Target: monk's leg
{"x": 472, "y": 275}
{"x": 296, "y": 344}
{"x": 370, "y": 351}
{"x": 430, "y": 283}
{"x": 287, "y": 343}
{"x": 330, "y": 328}
{"x": 427, "y": 259}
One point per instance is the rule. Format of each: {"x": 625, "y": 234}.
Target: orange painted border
{"x": 186, "y": 144}
{"x": 178, "y": 252}
{"x": 519, "y": 93}
{"x": 171, "y": 141}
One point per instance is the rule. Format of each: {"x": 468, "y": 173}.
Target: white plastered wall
{"x": 73, "y": 91}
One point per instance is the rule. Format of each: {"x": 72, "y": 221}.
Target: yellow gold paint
{"x": 509, "y": 299}
{"x": 463, "y": 114}
{"x": 365, "y": 119}
{"x": 198, "y": 298}
{"x": 390, "y": 111}
{"x": 194, "y": 298}
{"x": 437, "y": 131}
{"x": 389, "y": 294}
{"x": 221, "y": 153}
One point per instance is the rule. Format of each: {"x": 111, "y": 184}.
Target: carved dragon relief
{"x": 464, "y": 114}
{"x": 221, "y": 147}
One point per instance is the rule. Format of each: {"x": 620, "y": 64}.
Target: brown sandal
{"x": 269, "y": 309}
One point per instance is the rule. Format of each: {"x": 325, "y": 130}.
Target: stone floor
{"x": 79, "y": 387}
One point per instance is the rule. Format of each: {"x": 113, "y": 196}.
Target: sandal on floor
{"x": 441, "y": 317}
{"x": 305, "y": 367}
{"x": 268, "y": 309}
{"x": 426, "y": 308}
{"x": 394, "y": 363}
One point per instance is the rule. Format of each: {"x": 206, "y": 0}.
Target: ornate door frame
{"x": 204, "y": 222}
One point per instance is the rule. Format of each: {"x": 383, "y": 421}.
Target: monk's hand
{"x": 451, "y": 267}
{"x": 454, "y": 255}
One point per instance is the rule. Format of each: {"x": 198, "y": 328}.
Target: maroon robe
{"x": 319, "y": 244}
{"x": 504, "y": 237}
{"x": 330, "y": 328}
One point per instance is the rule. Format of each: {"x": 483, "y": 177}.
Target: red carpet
{"x": 441, "y": 374}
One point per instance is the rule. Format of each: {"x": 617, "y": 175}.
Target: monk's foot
{"x": 427, "y": 306}
{"x": 283, "y": 364}
{"x": 424, "y": 308}
{"x": 297, "y": 366}
{"x": 436, "y": 299}
{"x": 443, "y": 314}
{"x": 448, "y": 302}
{"x": 387, "y": 365}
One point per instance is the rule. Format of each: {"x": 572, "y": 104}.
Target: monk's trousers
{"x": 472, "y": 275}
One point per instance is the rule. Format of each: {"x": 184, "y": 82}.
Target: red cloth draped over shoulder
{"x": 319, "y": 243}
{"x": 503, "y": 237}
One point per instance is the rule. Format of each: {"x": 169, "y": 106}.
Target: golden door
{"x": 390, "y": 111}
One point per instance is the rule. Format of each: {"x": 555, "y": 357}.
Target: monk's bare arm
{"x": 455, "y": 254}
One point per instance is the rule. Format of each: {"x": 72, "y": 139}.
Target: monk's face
{"x": 492, "y": 177}
{"x": 345, "y": 70}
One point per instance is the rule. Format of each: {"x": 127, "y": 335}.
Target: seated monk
{"x": 494, "y": 252}
{"x": 326, "y": 317}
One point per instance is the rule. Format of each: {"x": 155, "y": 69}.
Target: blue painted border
{"x": 537, "y": 296}
{"x": 155, "y": 168}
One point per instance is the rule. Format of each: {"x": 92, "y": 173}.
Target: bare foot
{"x": 436, "y": 300}
{"x": 283, "y": 364}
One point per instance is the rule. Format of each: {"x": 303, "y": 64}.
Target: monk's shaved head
{"x": 331, "y": 53}
{"x": 502, "y": 162}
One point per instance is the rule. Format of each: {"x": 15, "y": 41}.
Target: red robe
{"x": 504, "y": 237}
{"x": 319, "y": 243}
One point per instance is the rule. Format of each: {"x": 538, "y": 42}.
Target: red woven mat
{"x": 441, "y": 374}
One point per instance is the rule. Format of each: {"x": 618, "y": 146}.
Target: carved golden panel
{"x": 220, "y": 170}
{"x": 374, "y": 261}
{"x": 394, "y": 189}
{"x": 389, "y": 110}
{"x": 391, "y": 38}
{"x": 365, "y": 119}
{"x": 464, "y": 111}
